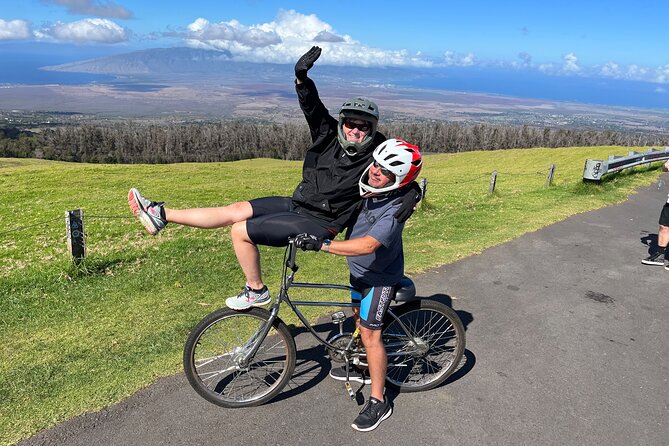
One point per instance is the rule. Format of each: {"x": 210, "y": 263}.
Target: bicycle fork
{"x": 257, "y": 339}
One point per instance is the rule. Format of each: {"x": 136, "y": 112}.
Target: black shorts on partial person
{"x": 374, "y": 302}
{"x": 275, "y": 220}
{"x": 664, "y": 215}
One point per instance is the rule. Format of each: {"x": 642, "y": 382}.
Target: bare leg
{"x": 663, "y": 236}
{"x": 376, "y": 359}
{"x": 247, "y": 255}
{"x": 210, "y": 218}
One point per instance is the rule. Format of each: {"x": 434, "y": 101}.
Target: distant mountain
{"x": 197, "y": 63}
{"x": 152, "y": 61}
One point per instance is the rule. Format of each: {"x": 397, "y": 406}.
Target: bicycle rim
{"x": 212, "y": 358}
{"x": 431, "y": 353}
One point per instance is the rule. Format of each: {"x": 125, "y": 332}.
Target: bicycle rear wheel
{"x": 214, "y": 351}
{"x": 431, "y": 350}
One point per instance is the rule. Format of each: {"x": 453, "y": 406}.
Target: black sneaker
{"x": 372, "y": 414}
{"x": 654, "y": 259}
{"x": 354, "y": 375}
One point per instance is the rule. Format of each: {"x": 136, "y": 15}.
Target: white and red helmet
{"x": 397, "y": 156}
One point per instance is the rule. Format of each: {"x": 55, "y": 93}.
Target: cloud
{"x": 459, "y": 60}
{"x": 227, "y": 35}
{"x": 326, "y": 36}
{"x": 526, "y": 59}
{"x": 15, "y": 30}
{"x": 92, "y": 7}
{"x": 571, "y": 63}
{"x": 662, "y": 74}
{"x": 660, "y": 90}
{"x": 286, "y": 38}
{"x": 658, "y": 75}
{"x": 85, "y": 31}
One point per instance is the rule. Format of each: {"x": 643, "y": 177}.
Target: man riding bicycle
{"x": 376, "y": 261}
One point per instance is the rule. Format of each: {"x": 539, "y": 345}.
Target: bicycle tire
{"x": 440, "y": 344}
{"x": 219, "y": 339}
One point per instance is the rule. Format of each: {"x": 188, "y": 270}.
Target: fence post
{"x": 493, "y": 181}
{"x": 423, "y": 188}
{"x": 551, "y": 173}
{"x": 74, "y": 225}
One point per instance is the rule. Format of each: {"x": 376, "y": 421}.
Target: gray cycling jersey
{"x": 377, "y": 219}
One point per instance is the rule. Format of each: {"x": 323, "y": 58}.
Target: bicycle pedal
{"x": 360, "y": 362}
{"x": 338, "y": 317}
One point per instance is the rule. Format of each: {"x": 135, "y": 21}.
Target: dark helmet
{"x": 358, "y": 108}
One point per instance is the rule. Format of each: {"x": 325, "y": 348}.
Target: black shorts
{"x": 664, "y": 215}
{"x": 374, "y": 302}
{"x": 274, "y": 220}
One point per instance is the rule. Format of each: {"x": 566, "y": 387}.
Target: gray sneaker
{"x": 150, "y": 213}
{"x": 372, "y": 414}
{"x": 654, "y": 259}
{"x": 249, "y": 298}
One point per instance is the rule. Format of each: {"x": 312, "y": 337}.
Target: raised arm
{"x": 317, "y": 115}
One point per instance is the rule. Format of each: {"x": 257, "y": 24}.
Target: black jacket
{"x": 329, "y": 188}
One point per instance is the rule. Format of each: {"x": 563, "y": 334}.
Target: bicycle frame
{"x": 287, "y": 282}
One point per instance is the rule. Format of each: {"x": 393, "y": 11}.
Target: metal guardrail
{"x": 595, "y": 169}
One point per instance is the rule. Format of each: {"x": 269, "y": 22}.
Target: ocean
{"x": 527, "y": 84}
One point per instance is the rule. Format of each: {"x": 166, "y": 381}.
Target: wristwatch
{"x": 326, "y": 245}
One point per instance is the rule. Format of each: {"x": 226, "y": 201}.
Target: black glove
{"x": 306, "y": 62}
{"x": 308, "y": 242}
{"x": 410, "y": 199}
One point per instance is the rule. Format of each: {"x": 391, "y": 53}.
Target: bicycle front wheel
{"x": 424, "y": 345}
{"x": 215, "y": 360}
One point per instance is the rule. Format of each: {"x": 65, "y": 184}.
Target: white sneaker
{"x": 249, "y": 298}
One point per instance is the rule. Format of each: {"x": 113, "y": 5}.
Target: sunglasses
{"x": 383, "y": 170}
{"x": 363, "y": 127}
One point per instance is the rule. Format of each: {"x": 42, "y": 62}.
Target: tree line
{"x": 137, "y": 142}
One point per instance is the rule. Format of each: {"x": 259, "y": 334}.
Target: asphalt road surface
{"x": 567, "y": 343}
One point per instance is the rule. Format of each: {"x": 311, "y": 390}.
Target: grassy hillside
{"x": 77, "y": 339}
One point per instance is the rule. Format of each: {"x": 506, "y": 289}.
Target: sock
{"x": 661, "y": 249}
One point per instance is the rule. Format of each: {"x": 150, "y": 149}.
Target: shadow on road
{"x": 650, "y": 240}
{"x": 313, "y": 364}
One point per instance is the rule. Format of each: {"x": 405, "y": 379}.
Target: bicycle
{"x": 245, "y": 358}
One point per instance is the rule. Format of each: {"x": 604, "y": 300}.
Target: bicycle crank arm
{"x": 349, "y": 389}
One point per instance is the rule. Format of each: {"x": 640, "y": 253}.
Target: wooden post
{"x": 423, "y": 188}
{"x": 74, "y": 224}
{"x": 493, "y": 181}
{"x": 551, "y": 173}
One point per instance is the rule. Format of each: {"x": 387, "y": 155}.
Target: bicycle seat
{"x": 406, "y": 290}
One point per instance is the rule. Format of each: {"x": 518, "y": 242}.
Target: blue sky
{"x": 609, "y": 39}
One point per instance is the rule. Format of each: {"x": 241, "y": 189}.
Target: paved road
{"x": 567, "y": 343}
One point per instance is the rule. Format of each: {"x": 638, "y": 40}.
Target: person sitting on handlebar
{"x": 375, "y": 256}
{"x": 322, "y": 204}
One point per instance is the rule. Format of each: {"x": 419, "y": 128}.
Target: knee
{"x": 370, "y": 337}
{"x": 239, "y": 211}
{"x": 238, "y": 231}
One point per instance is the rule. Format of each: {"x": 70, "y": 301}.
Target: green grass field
{"x": 76, "y": 339}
